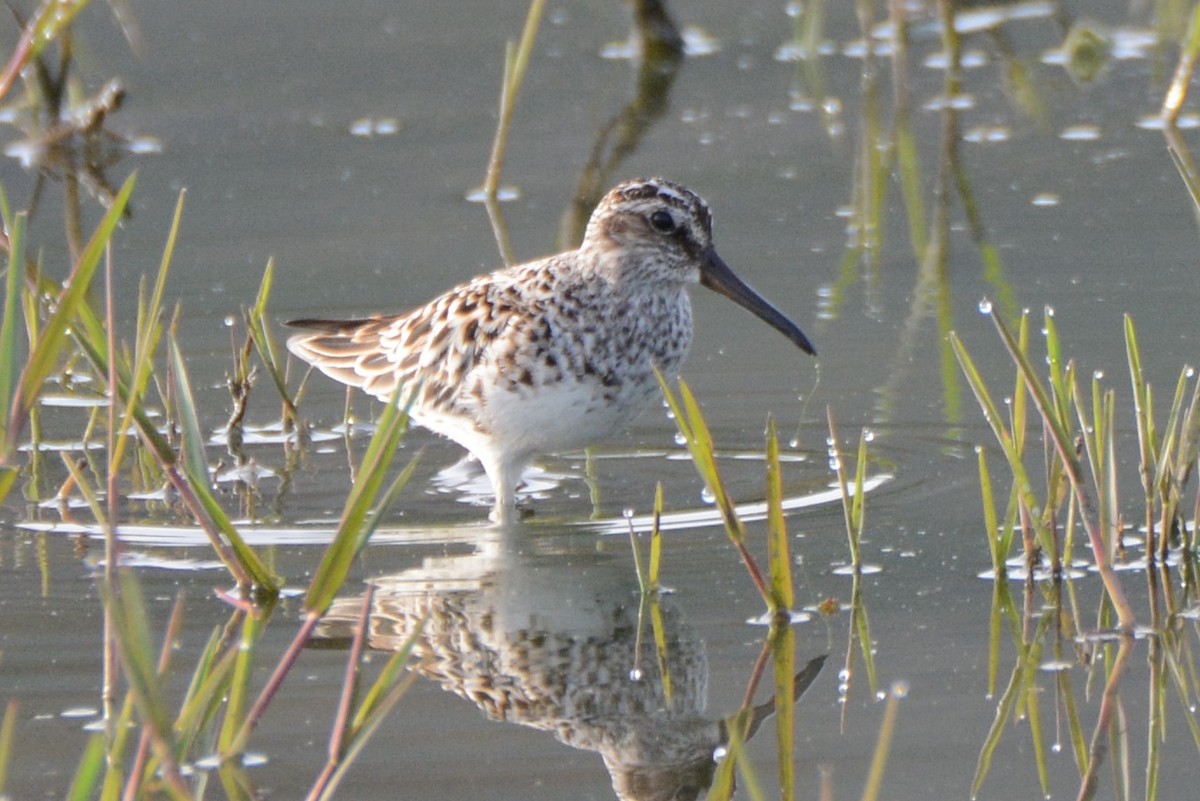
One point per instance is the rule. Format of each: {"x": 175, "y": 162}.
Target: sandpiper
{"x": 552, "y": 354}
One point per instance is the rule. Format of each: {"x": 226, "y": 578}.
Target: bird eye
{"x": 662, "y": 221}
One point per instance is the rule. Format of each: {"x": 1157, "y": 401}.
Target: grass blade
{"x": 783, "y": 647}
{"x": 91, "y": 766}
{"x": 778, "y": 555}
{"x": 656, "y": 538}
{"x": 264, "y": 342}
{"x": 352, "y": 534}
{"x": 195, "y": 469}
{"x": 7, "y": 727}
{"x": 51, "y": 339}
{"x": 12, "y": 308}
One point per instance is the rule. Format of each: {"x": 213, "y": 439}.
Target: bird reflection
{"x": 537, "y": 634}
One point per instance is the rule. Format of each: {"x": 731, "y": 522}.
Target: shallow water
{"x": 264, "y": 118}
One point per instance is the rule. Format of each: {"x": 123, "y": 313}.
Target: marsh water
{"x": 342, "y": 142}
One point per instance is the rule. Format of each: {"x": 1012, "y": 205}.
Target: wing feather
{"x": 437, "y": 345}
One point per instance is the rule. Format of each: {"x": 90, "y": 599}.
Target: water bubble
{"x": 985, "y": 306}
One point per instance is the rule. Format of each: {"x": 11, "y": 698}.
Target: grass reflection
{"x": 1078, "y": 475}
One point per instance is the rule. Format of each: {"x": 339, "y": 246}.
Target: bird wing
{"x": 435, "y": 346}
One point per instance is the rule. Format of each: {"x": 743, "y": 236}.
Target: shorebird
{"x": 552, "y": 354}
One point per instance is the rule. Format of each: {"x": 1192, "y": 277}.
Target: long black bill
{"x": 716, "y": 275}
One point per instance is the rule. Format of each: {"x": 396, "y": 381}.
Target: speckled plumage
{"x": 551, "y": 354}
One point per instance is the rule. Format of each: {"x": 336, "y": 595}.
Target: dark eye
{"x": 662, "y": 221}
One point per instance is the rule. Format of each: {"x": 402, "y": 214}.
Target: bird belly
{"x": 563, "y": 415}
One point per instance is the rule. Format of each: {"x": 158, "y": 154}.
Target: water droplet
{"x": 794, "y": 442}
{"x": 708, "y": 496}
{"x": 229, "y": 321}
{"x": 830, "y": 441}
{"x": 628, "y": 512}
{"x": 978, "y": 449}
{"x": 1056, "y": 747}
{"x": 635, "y": 674}
{"x": 868, "y": 435}
{"x": 835, "y": 464}
{"x": 680, "y": 439}
{"x": 1189, "y": 372}
{"x": 985, "y": 306}
{"x": 1049, "y": 311}
{"x": 843, "y": 675}
{"x": 719, "y": 752}
{"x": 1098, "y": 374}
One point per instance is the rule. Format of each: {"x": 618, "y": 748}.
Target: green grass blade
{"x": 192, "y": 445}
{"x": 883, "y": 746}
{"x": 352, "y": 534}
{"x": 704, "y": 455}
{"x": 779, "y": 557}
{"x": 991, "y": 526}
{"x": 206, "y": 690}
{"x": 662, "y": 651}
{"x": 783, "y": 647}
{"x": 12, "y": 311}
{"x": 996, "y": 731}
{"x": 7, "y": 727}
{"x": 51, "y": 339}
{"x": 91, "y": 767}
{"x": 861, "y": 621}
{"x": 847, "y": 503}
{"x": 1006, "y": 438}
{"x": 363, "y": 736}
{"x": 859, "y": 501}
{"x": 238, "y": 695}
{"x": 656, "y": 538}
{"x": 264, "y": 342}
{"x": 195, "y": 467}
{"x": 373, "y": 700}
{"x": 690, "y": 422}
